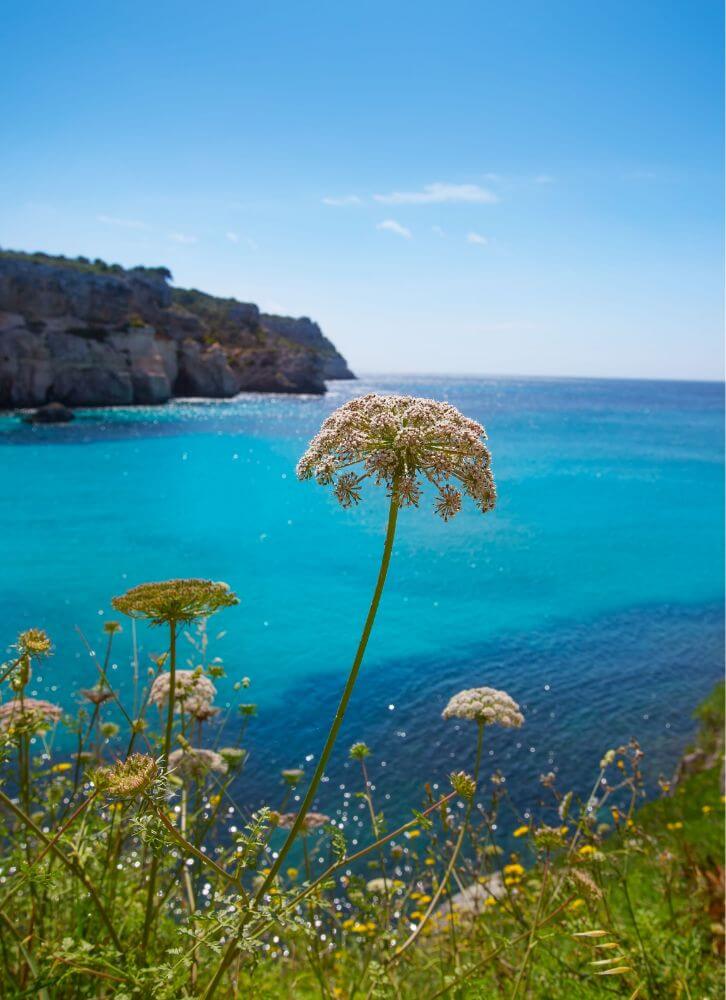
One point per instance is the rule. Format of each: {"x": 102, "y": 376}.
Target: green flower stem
{"x": 50, "y": 844}
{"x": 350, "y": 859}
{"x": 172, "y": 692}
{"x": 73, "y": 865}
{"x": 149, "y": 914}
{"x": 457, "y": 848}
{"x": 332, "y": 735}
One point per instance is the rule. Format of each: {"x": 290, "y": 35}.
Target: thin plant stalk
{"x": 452, "y": 861}
{"x": 332, "y": 735}
{"x": 343, "y": 705}
{"x": 148, "y": 915}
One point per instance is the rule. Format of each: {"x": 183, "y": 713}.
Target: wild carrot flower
{"x": 28, "y": 713}
{"x": 293, "y": 775}
{"x": 126, "y": 778}
{"x": 97, "y": 695}
{"x": 34, "y": 642}
{"x": 191, "y": 690}
{"x": 382, "y": 885}
{"x": 312, "y": 821}
{"x": 463, "y": 784}
{"x": 485, "y": 705}
{"x": 196, "y": 762}
{"x": 175, "y": 600}
{"x": 233, "y": 755}
{"x": 397, "y": 441}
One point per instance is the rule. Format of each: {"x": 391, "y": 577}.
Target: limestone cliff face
{"x": 87, "y": 334}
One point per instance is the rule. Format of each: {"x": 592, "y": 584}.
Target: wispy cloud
{"x": 391, "y": 226}
{"x": 438, "y": 194}
{"x": 438, "y": 231}
{"x": 182, "y": 238}
{"x": 477, "y": 238}
{"x": 112, "y": 220}
{"x": 343, "y": 200}
{"x": 232, "y": 237}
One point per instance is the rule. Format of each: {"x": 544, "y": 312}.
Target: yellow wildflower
{"x": 705, "y": 810}
{"x": 292, "y": 873}
{"x": 60, "y": 768}
{"x": 416, "y": 915}
{"x": 490, "y": 901}
{"x": 214, "y": 800}
{"x": 586, "y": 851}
{"x": 514, "y": 869}
{"x": 425, "y": 899}
{"x": 430, "y": 861}
{"x": 521, "y": 831}
{"x": 576, "y": 904}
{"x": 674, "y": 826}
{"x": 412, "y": 834}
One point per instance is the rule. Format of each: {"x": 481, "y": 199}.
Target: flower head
{"x": 233, "y": 755}
{"x": 97, "y": 695}
{"x": 175, "y": 600}
{"x": 485, "y": 705}
{"x": 192, "y": 690}
{"x": 34, "y": 642}
{"x": 292, "y": 775}
{"x": 398, "y": 441}
{"x": 196, "y": 762}
{"x": 463, "y": 784}
{"x": 28, "y": 714}
{"x": 126, "y": 778}
{"x": 312, "y": 821}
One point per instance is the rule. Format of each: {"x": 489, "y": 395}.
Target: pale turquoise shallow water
{"x": 593, "y": 594}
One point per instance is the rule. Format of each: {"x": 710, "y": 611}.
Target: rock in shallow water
{"x": 51, "y": 413}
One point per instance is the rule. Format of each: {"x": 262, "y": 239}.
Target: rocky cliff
{"x": 86, "y": 333}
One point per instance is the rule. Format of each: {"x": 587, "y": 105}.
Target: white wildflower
{"x": 191, "y": 690}
{"x": 397, "y": 441}
{"x": 485, "y": 705}
{"x": 195, "y": 762}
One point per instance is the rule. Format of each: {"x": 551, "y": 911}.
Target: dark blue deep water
{"x": 593, "y": 594}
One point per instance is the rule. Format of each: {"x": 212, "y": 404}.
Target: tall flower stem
{"x": 167, "y": 747}
{"x": 457, "y": 848}
{"x": 172, "y": 692}
{"x": 332, "y": 735}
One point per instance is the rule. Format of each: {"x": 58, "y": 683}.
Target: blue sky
{"x": 478, "y": 187}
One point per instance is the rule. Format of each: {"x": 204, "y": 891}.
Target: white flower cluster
{"x": 193, "y": 693}
{"x": 28, "y": 713}
{"x": 398, "y": 440}
{"x": 196, "y": 762}
{"x": 486, "y": 705}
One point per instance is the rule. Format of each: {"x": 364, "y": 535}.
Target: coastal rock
{"x": 204, "y": 371}
{"x": 86, "y": 333}
{"x": 305, "y": 332}
{"x": 51, "y": 413}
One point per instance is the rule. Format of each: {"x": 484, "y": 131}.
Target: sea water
{"x": 593, "y": 594}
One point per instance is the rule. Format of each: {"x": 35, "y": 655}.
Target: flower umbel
{"x": 196, "y": 762}
{"x": 175, "y": 600}
{"x": 191, "y": 690}
{"x": 126, "y": 778}
{"x": 30, "y": 713}
{"x": 34, "y": 642}
{"x": 485, "y": 705}
{"x": 402, "y": 440}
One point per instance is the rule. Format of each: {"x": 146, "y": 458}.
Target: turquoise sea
{"x": 593, "y": 594}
